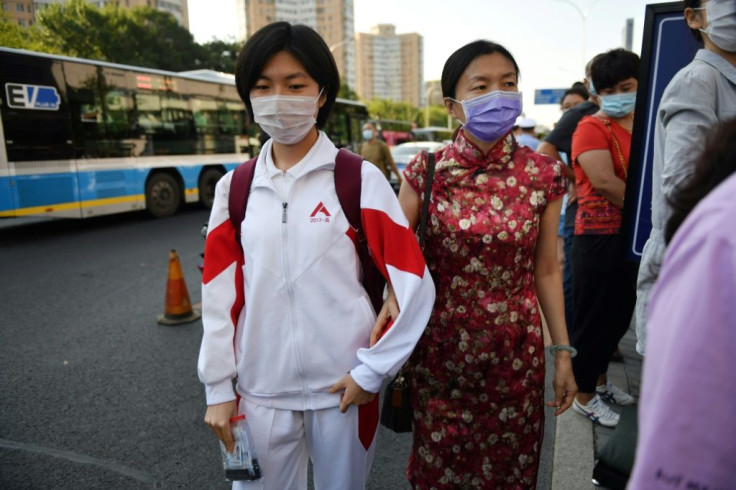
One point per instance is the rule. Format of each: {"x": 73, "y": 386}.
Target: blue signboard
{"x": 668, "y": 45}
{"x": 548, "y": 95}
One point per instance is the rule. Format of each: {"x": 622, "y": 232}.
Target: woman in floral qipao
{"x": 477, "y": 373}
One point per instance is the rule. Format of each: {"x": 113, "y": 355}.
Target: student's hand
{"x": 563, "y": 383}
{"x": 353, "y": 395}
{"x": 218, "y": 417}
{"x": 389, "y": 312}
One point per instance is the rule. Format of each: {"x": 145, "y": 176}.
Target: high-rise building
{"x": 24, "y": 11}
{"x": 332, "y": 19}
{"x": 389, "y": 65}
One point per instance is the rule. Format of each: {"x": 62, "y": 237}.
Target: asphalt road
{"x": 93, "y": 392}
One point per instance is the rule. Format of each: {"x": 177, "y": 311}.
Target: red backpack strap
{"x": 239, "y": 192}
{"x": 348, "y": 167}
{"x": 348, "y": 181}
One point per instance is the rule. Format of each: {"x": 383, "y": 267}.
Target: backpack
{"x": 348, "y": 185}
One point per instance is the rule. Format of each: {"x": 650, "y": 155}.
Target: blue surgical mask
{"x": 592, "y": 88}
{"x": 490, "y": 116}
{"x": 618, "y": 105}
{"x": 367, "y": 134}
{"x": 721, "y": 18}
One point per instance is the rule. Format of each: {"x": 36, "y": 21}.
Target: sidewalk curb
{"x": 574, "y": 452}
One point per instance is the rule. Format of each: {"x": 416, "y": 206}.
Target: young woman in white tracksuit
{"x": 294, "y": 318}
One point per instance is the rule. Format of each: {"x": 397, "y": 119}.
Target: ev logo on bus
{"x": 34, "y": 97}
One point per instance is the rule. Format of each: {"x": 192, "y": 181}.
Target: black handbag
{"x": 396, "y": 411}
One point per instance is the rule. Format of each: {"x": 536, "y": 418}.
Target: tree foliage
{"x": 346, "y": 92}
{"x": 390, "y": 109}
{"x": 221, "y": 55}
{"x": 11, "y": 34}
{"x": 139, "y": 36}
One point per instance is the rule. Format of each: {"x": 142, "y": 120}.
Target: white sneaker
{"x": 597, "y": 411}
{"x": 610, "y": 393}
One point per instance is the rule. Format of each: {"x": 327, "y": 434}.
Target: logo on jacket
{"x": 320, "y": 209}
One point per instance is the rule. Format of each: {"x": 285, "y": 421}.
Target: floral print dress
{"x": 477, "y": 373}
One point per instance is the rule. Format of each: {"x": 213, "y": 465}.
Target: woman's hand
{"x": 563, "y": 383}
{"x": 218, "y": 417}
{"x": 385, "y": 317}
{"x": 354, "y": 394}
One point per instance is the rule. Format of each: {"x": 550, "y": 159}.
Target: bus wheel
{"x": 163, "y": 195}
{"x": 207, "y": 182}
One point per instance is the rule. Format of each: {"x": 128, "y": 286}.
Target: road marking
{"x": 80, "y": 458}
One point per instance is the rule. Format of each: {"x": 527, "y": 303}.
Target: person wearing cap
{"x": 525, "y": 135}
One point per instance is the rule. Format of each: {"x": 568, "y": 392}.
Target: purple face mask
{"x": 492, "y": 115}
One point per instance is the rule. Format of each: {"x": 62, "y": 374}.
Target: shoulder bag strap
{"x": 239, "y": 192}
{"x": 425, "y": 202}
{"x": 607, "y": 122}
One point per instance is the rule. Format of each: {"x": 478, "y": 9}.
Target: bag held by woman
{"x": 396, "y": 411}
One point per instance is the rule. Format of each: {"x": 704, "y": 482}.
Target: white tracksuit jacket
{"x": 306, "y": 318}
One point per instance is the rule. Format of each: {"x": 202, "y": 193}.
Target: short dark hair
{"x": 459, "y": 60}
{"x": 300, "y": 41}
{"x": 577, "y": 89}
{"x": 613, "y": 67}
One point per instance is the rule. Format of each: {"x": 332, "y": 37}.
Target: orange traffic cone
{"x": 177, "y": 309}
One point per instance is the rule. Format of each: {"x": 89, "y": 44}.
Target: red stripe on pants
{"x": 368, "y": 422}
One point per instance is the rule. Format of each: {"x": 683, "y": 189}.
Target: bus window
{"x": 231, "y": 117}
{"x": 177, "y": 124}
{"x": 204, "y": 111}
{"x": 345, "y": 124}
{"x": 150, "y": 119}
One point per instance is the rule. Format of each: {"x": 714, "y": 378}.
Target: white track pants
{"x": 340, "y": 445}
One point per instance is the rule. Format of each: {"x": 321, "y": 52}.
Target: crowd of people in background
{"x": 521, "y": 236}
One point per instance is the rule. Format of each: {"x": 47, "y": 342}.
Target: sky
{"x": 546, "y": 37}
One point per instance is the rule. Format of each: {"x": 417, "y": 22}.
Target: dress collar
{"x": 471, "y": 156}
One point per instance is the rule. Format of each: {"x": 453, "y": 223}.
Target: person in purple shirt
{"x": 687, "y": 412}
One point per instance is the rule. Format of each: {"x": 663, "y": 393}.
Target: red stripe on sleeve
{"x": 220, "y": 251}
{"x": 391, "y": 244}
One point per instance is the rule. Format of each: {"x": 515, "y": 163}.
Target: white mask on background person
{"x": 286, "y": 118}
{"x": 720, "y": 15}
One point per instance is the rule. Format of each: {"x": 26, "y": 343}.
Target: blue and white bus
{"x": 85, "y": 138}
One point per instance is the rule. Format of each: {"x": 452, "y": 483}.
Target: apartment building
{"x": 332, "y": 19}
{"x": 389, "y": 66}
{"x": 24, "y": 11}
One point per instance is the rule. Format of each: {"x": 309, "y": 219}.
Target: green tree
{"x": 140, "y": 36}
{"x": 437, "y": 116}
{"x": 346, "y": 92}
{"x": 390, "y": 109}
{"x": 12, "y": 35}
{"x": 159, "y": 41}
{"x": 221, "y": 55}
{"x": 74, "y": 28}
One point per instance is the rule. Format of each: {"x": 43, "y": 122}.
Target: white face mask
{"x": 721, "y": 18}
{"x": 286, "y": 118}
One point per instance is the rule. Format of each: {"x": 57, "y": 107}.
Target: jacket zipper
{"x": 290, "y": 293}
